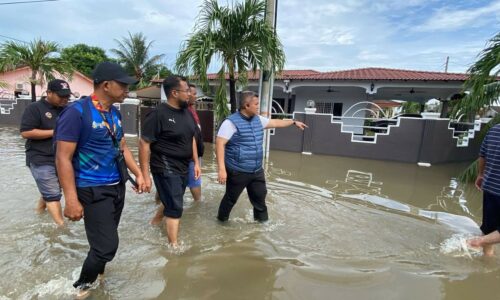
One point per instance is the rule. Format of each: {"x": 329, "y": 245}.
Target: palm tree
{"x": 133, "y": 53}
{"x": 237, "y": 39}
{"x": 483, "y": 86}
{"x": 484, "y": 90}
{"x": 40, "y": 56}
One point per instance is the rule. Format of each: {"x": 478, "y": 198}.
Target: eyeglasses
{"x": 186, "y": 91}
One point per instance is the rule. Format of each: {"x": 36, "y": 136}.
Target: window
{"x": 324, "y": 107}
{"x": 329, "y": 108}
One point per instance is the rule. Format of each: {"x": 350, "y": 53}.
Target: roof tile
{"x": 358, "y": 74}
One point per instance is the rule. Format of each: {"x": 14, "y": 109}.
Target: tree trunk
{"x": 33, "y": 86}
{"x": 232, "y": 94}
{"x": 33, "y": 92}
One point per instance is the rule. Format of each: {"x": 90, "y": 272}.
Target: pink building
{"x": 19, "y": 80}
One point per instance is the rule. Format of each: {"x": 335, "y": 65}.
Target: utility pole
{"x": 267, "y": 76}
{"x": 446, "y": 64}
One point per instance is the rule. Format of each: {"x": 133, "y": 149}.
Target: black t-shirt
{"x": 40, "y": 115}
{"x": 170, "y": 132}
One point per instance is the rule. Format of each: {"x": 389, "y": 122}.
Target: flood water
{"x": 340, "y": 228}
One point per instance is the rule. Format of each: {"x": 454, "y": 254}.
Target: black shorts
{"x": 171, "y": 188}
{"x": 491, "y": 213}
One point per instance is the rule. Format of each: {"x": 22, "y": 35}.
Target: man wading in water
{"x": 239, "y": 156}
{"x": 168, "y": 144}
{"x": 194, "y": 184}
{"x": 37, "y": 127}
{"x": 89, "y": 139}
{"x": 488, "y": 181}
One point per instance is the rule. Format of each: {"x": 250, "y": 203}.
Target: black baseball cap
{"x": 60, "y": 87}
{"x": 107, "y": 71}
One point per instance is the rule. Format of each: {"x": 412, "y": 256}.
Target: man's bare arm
{"x": 144, "y": 156}
{"x": 37, "y": 134}
{"x": 64, "y": 156}
{"x": 277, "y": 123}
{"x": 129, "y": 159}
{"x": 197, "y": 169}
{"x": 220, "y": 148}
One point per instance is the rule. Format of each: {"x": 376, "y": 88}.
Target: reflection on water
{"x": 356, "y": 229}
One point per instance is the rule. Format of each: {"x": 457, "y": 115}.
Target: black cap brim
{"x": 63, "y": 93}
{"x": 127, "y": 80}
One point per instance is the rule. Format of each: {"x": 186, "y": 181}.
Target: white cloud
{"x": 448, "y": 19}
{"x": 318, "y": 34}
{"x": 371, "y": 56}
{"x": 393, "y": 5}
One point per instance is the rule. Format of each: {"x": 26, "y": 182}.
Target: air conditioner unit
{"x": 19, "y": 86}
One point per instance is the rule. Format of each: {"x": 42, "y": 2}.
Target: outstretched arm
{"x": 277, "y": 123}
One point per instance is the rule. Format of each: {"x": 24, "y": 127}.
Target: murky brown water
{"x": 340, "y": 229}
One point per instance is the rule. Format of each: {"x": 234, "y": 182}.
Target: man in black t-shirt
{"x": 167, "y": 145}
{"x": 37, "y": 127}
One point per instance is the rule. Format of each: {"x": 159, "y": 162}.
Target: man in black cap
{"x": 90, "y": 141}
{"x": 37, "y": 127}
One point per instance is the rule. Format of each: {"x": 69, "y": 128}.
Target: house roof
{"x": 153, "y": 91}
{"x": 366, "y": 74}
{"x": 387, "y": 74}
{"x": 285, "y": 74}
{"x": 358, "y": 74}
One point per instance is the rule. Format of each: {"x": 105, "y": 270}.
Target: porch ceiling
{"x": 419, "y": 94}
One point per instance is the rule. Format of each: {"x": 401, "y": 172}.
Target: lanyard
{"x": 109, "y": 127}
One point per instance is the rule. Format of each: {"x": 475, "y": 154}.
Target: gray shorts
{"x": 46, "y": 181}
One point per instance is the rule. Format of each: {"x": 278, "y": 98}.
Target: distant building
{"x": 18, "y": 83}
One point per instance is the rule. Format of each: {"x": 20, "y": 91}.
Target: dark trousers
{"x": 255, "y": 183}
{"x": 102, "y": 209}
{"x": 491, "y": 213}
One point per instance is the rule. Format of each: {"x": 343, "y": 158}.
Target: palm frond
{"x": 221, "y": 109}
{"x": 236, "y": 38}
{"x": 482, "y": 84}
{"x": 4, "y": 85}
{"x": 42, "y": 57}
{"x": 133, "y": 52}
{"x": 470, "y": 174}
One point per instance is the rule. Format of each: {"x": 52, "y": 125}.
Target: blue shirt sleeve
{"x": 69, "y": 125}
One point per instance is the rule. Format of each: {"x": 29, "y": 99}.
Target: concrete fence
{"x": 406, "y": 140}
{"x": 410, "y": 140}
{"x": 11, "y": 111}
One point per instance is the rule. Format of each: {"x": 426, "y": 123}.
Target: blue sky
{"x": 317, "y": 34}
